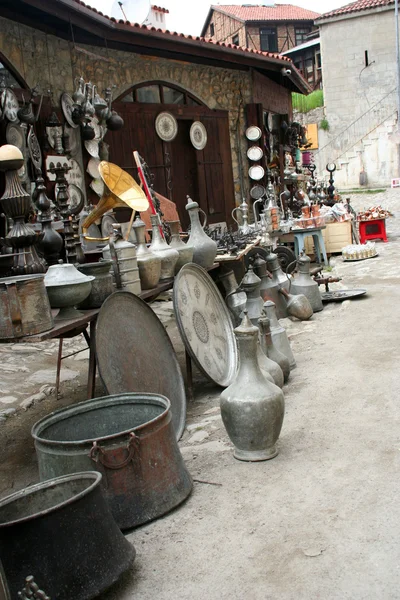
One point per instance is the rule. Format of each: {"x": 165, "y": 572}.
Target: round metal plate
{"x": 256, "y": 172}
{"x": 253, "y": 133}
{"x": 254, "y": 153}
{"x": 198, "y": 135}
{"x": 67, "y": 105}
{"x": 15, "y": 135}
{"x": 166, "y": 126}
{"x": 135, "y": 354}
{"x": 205, "y": 325}
{"x": 34, "y": 149}
{"x": 10, "y": 106}
{"x": 107, "y": 224}
{"x": 340, "y": 295}
{"x": 257, "y": 191}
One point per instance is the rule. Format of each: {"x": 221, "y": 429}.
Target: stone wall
{"x": 358, "y": 103}
{"x": 54, "y": 64}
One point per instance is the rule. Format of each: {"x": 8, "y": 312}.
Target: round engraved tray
{"x": 205, "y": 324}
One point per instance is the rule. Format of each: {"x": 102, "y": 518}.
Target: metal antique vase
{"x": 149, "y": 263}
{"x": 102, "y": 284}
{"x": 270, "y": 349}
{"x": 185, "y": 250}
{"x": 303, "y": 284}
{"x": 61, "y": 531}
{"x": 204, "y": 248}
{"x": 129, "y": 438}
{"x": 252, "y": 408}
{"x": 267, "y": 365}
{"x": 278, "y": 333}
{"x": 235, "y": 299}
{"x": 254, "y": 304}
{"x": 271, "y": 287}
{"x": 169, "y": 256}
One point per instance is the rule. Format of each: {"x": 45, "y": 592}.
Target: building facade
{"x": 358, "y": 48}
{"x": 275, "y": 28}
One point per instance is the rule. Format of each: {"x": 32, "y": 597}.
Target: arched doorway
{"x": 178, "y": 169}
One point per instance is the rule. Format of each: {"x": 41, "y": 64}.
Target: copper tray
{"x": 135, "y": 354}
{"x": 205, "y": 324}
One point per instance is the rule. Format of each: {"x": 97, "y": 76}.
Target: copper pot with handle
{"x": 24, "y": 306}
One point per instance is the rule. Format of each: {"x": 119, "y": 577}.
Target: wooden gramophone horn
{"x": 120, "y": 190}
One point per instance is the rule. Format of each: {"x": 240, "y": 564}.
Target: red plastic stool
{"x": 372, "y": 230}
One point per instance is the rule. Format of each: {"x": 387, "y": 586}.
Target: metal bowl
{"x": 68, "y": 295}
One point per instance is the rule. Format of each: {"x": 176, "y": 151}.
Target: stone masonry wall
{"x": 54, "y": 64}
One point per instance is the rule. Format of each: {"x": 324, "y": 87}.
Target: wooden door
{"x": 178, "y": 169}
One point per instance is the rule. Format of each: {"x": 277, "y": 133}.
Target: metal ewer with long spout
{"x": 204, "y": 248}
{"x": 169, "y": 256}
{"x": 252, "y": 408}
{"x": 270, "y": 349}
{"x": 149, "y": 263}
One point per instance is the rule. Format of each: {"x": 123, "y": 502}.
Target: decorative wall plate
{"x": 253, "y": 133}
{"x": 254, "y": 153}
{"x": 198, "y": 135}
{"x": 166, "y": 126}
{"x": 15, "y": 135}
{"x": 135, "y": 354}
{"x": 92, "y": 147}
{"x": 75, "y": 175}
{"x": 257, "y": 191}
{"x": 10, "y": 106}
{"x": 256, "y": 172}
{"x": 93, "y": 168}
{"x": 205, "y": 324}
{"x": 35, "y": 152}
{"x": 67, "y": 105}
{"x": 74, "y": 139}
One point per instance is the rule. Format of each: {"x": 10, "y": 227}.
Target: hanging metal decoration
{"x": 254, "y": 153}
{"x": 253, "y": 133}
{"x": 15, "y": 135}
{"x": 35, "y": 152}
{"x": 67, "y": 105}
{"x": 256, "y": 172}
{"x": 10, "y": 106}
{"x": 166, "y": 126}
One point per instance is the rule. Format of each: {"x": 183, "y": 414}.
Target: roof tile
{"x": 276, "y": 12}
{"x": 357, "y": 6}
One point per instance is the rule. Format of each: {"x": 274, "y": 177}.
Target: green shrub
{"x": 306, "y": 103}
{"x": 324, "y": 125}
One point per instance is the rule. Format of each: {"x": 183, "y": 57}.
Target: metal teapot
{"x": 303, "y": 284}
{"x": 243, "y": 209}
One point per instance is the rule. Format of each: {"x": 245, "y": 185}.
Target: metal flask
{"x": 204, "y": 248}
{"x": 278, "y": 333}
{"x": 185, "y": 250}
{"x": 260, "y": 269}
{"x": 149, "y": 263}
{"x": 269, "y": 348}
{"x": 61, "y": 531}
{"x": 269, "y": 367}
{"x": 234, "y": 298}
{"x": 130, "y": 439}
{"x": 169, "y": 256}
{"x": 254, "y": 305}
{"x": 125, "y": 267}
{"x": 252, "y": 408}
{"x": 271, "y": 287}
{"x": 303, "y": 284}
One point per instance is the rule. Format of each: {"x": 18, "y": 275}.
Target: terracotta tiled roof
{"x": 183, "y": 36}
{"x": 357, "y": 6}
{"x": 160, "y": 9}
{"x": 276, "y": 12}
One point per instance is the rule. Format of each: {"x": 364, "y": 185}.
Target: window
{"x": 212, "y": 30}
{"x": 268, "y": 39}
{"x": 301, "y": 34}
{"x": 235, "y": 40}
{"x": 159, "y": 93}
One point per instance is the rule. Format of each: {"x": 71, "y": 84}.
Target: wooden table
{"x": 69, "y": 328}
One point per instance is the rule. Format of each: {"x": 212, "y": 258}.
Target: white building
{"x": 140, "y": 11}
{"x": 358, "y": 48}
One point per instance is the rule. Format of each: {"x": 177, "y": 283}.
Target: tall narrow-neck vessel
{"x": 185, "y": 250}
{"x": 204, "y": 248}
{"x": 270, "y": 349}
{"x": 169, "y": 256}
{"x": 254, "y": 304}
{"x": 252, "y": 408}
{"x": 149, "y": 263}
{"x": 278, "y": 333}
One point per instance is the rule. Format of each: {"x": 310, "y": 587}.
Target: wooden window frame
{"x": 160, "y": 84}
{"x": 272, "y": 33}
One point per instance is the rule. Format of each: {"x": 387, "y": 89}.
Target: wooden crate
{"x": 336, "y": 236}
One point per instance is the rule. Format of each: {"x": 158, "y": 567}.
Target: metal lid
{"x": 65, "y": 274}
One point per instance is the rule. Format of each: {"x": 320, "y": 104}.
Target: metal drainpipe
{"x": 396, "y": 13}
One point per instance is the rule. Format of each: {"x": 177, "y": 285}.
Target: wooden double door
{"x": 178, "y": 169}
